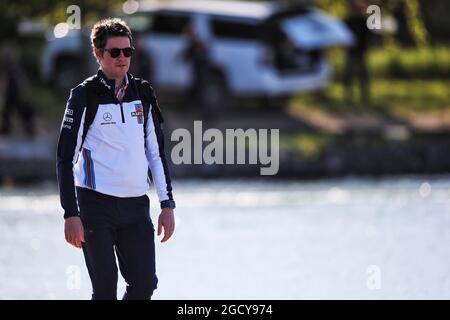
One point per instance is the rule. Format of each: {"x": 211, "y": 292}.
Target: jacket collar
{"x": 110, "y": 84}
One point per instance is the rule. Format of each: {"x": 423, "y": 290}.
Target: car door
{"x": 166, "y": 43}
{"x": 236, "y": 52}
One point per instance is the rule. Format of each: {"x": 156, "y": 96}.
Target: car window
{"x": 169, "y": 24}
{"x": 316, "y": 30}
{"x": 139, "y": 22}
{"x": 235, "y": 29}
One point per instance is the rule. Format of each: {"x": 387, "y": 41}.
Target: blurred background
{"x": 359, "y": 91}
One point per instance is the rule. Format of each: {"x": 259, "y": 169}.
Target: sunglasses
{"x": 115, "y": 52}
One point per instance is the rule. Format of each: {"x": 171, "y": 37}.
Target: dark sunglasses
{"x": 115, "y": 52}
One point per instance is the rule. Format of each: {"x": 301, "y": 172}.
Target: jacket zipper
{"x": 121, "y": 112}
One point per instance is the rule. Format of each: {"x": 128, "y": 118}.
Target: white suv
{"x": 256, "y": 49}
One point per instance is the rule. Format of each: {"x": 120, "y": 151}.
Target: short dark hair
{"x": 107, "y": 28}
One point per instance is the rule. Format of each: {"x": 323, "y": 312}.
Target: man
{"x": 356, "y": 64}
{"x": 15, "y": 96}
{"x": 102, "y": 174}
{"x": 196, "y": 54}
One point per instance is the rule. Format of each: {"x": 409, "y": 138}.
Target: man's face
{"x": 114, "y": 68}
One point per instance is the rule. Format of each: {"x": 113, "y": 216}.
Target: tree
{"x": 50, "y": 11}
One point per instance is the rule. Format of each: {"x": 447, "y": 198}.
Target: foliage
{"x": 50, "y": 11}
{"x": 341, "y": 8}
{"x": 390, "y": 97}
{"x": 401, "y": 63}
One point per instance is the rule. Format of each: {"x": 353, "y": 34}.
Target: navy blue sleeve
{"x": 68, "y": 147}
{"x": 156, "y": 155}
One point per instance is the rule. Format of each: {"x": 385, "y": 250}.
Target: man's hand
{"x": 74, "y": 231}
{"x": 166, "y": 220}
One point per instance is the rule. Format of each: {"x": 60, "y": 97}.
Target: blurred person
{"x": 356, "y": 64}
{"x": 285, "y": 53}
{"x": 110, "y": 137}
{"x": 14, "y": 80}
{"x": 141, "y": 66}
{"x": 196, "y": 53}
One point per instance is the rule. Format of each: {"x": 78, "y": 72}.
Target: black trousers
{"x": 356, "y": 68}
{"x": 123, "y": 227}
{"x": 25, "y": 111}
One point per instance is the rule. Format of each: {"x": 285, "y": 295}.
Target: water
{"x": 351, "y": 238}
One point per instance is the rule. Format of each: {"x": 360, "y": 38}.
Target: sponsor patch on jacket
{"x": 107, "y": 117}
{"x": 68, "y": 119}
{"x": 103, "y": 82}
{"x": 138, "y": 113}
